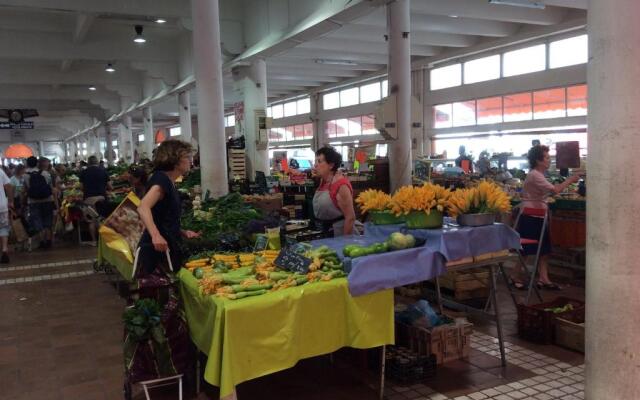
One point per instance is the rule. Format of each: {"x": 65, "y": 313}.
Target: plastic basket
{"x": 537, "y": 325}
{"x": 422, "y": 220}
{"x": 385, "y": 217}
{"x": 407, "y": 367}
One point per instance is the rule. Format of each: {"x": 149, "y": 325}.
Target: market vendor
{"x": 160, "y": 208}
{"x": 333, "y": 200}
{"x": 535, "y": 192}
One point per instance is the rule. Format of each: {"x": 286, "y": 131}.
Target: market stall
{"x": 264, "y": 334}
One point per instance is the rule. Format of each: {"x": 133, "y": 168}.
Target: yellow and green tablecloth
{"x": 252, "y": 337}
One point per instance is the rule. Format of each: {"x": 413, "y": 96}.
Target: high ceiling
{"x": 54, "y": 50}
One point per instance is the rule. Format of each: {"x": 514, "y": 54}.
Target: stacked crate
{"x": 237, "y": 163}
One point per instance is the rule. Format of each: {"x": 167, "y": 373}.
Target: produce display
{"x": 373, "y": 200}
{"x": 395, "y": 241}
{"x": 487, "y": 197}
{"x": 224, "y": 224}
{"x": 423, "y": 198}
{"x": 240, "y": 275}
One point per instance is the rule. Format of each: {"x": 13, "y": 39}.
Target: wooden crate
{"x": 467, "y": 284}
{"x": 488, "y": 256}
{"x": 461, "y": 261}
{"x": 447, "y": 342}
{"x": 570, "y": 333}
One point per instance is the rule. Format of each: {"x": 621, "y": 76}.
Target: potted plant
{"x": 478, "y": 205}
{"x": 422, "y": 206}
{"x": 376, "y": 203}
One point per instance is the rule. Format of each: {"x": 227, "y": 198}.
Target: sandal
{"x": 548, "y": 286}
{"x": 519, "y": 285}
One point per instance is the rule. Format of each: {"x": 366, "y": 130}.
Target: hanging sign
{"x": 16, "y": 125}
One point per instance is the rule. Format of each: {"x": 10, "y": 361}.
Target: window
{"x": 381, "y": 150}
{"x": 446, "y": 77}
{"x": 349, "y": 97}
{"x": 482, "y": 69}
{"x": 84, "y": 152}
{"x": 141, "y": 137}
{"x": 576, "y": 100}
{"x": 524, "y": 61}
{"x": 370, "y": 92}
{"x": 308, "y": 131}
{"x": 342, "y": 128}
{"x": 549, "y": 103}
{"x": 268, "y": 111}
{"x": 290, "y": 109}
{"x": 570, "y": 51}
{"x": 229, "y": 120}
{"x": 114, "y": 143}
{"x": 304, "y": 106}
{"x": 442, "y": 116}
{"x": 288, "y": 133}
{"x": 330, "y": 101}
{"x": 464, "y": 113}
{"x": 517, "y": 107}
{"x": 355, "y": 126}
{"x": 298, "y": 132}
{"x": 385, "y": 88}
{"x": 368, "y": 125}
{"x": 176, "y": 131}
{"x": 84, "y": 145}
{"x": 489, "y": 110}
{"x": 277, "y": 111}
{"x": 330, "y": 129}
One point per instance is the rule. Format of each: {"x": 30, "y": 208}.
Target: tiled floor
{"x": 61, "y": 338}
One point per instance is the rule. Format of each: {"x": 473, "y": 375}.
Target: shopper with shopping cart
{"x": 160, "y": 208}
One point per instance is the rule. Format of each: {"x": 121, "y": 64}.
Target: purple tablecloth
{"x": 388, "y": 270}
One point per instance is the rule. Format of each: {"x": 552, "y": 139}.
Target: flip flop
{"x": 548, "y": 286}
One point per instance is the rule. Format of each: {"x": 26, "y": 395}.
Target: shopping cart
{"x": 144, "y": 364}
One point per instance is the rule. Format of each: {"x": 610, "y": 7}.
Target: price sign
{"x": 262, "y": 241}
{"x": 291, "y": 260}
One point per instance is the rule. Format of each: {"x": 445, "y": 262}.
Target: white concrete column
{"x": 93, "y": 148}
{"x": 74, "y": 150}
{"x": 149, "y": 134}
{"x": 427, "y": 114}
{"x": 398, "y": 28}
{"x": 41, "y": 148}
{"x": 208, "y": 71}
{"x": 318, "y": 128}
{"x": 613, "y": 273}
{"x": 184, "y": 104}
{"x": 128, "y": 123}
{"x": 108, "y": 136}
{"x": 253, "y": 84}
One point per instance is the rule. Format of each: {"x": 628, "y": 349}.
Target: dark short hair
{"x": 138, "y": 172}
{"x": 168, "y": 154}
{"x": 331, "y": 156}
{"x": 536, "y": 154}
{"x": 32, "y": 162}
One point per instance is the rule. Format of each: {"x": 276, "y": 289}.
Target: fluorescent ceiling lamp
{"x": 139, "y": 38}
{"x": 92, "y": 88}
{"x": 160, "y": 21}
{"x": 335, "y": 62}
{"x": 110, "y": 68}
{"x": 519, "y": 3}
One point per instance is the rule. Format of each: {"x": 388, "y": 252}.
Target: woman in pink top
{"x": 535, "y": 192}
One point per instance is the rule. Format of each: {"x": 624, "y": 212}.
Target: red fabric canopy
{"x": 18, "y": 150}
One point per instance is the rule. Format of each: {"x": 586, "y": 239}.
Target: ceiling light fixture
{"x": 110, "y": 68}
{"x": 335, "y": 62}
{"x": 519, "y": 3}
{"x": 92, "y": 88}
{"x": 139, "y": 38}
{"x": 453, "y": 16}
{"x": 160, "y": 21}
